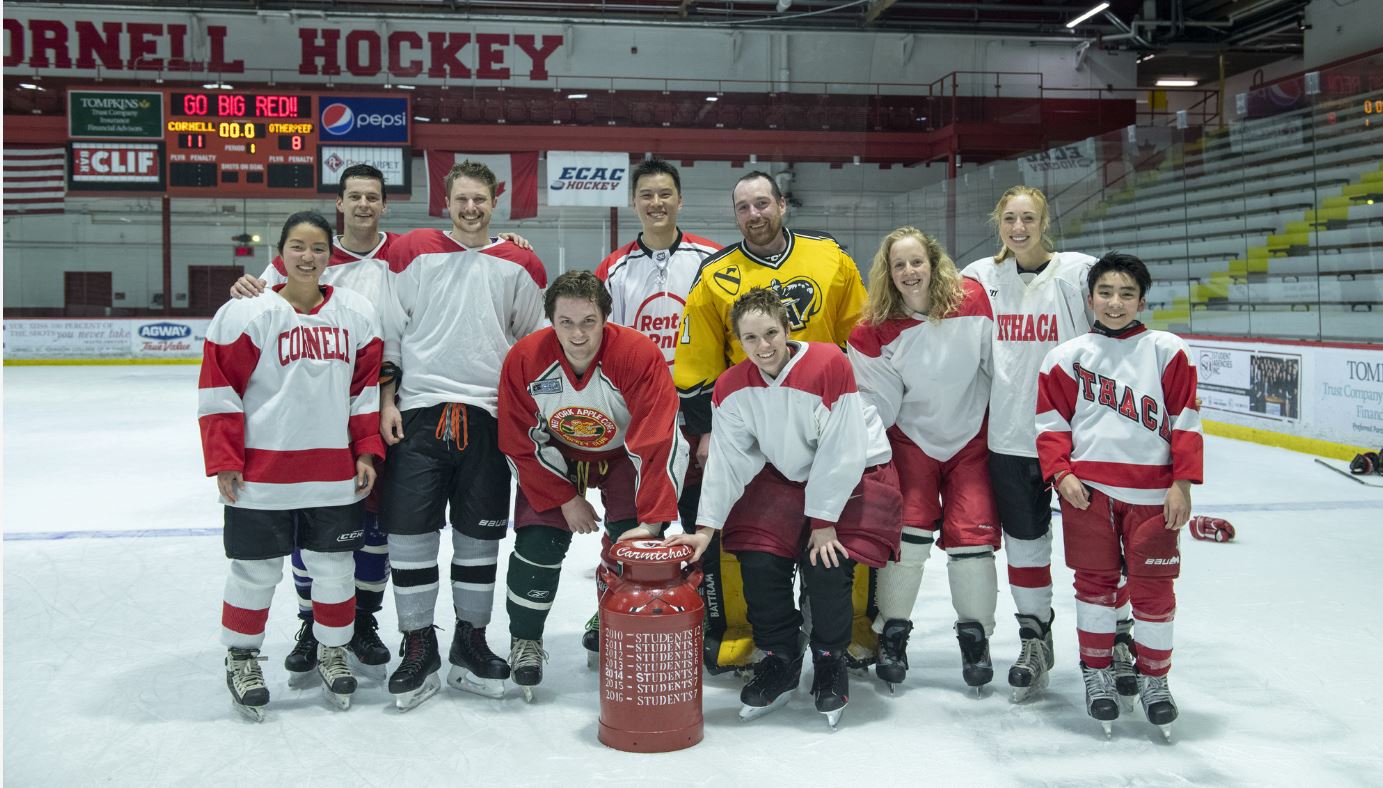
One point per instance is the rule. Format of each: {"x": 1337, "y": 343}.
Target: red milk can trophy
{"x": 650, "y": 649}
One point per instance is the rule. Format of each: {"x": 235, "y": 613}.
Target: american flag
{"x": 34, "y": 179}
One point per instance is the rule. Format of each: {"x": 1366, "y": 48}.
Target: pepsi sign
{"x": 355, "y": 119}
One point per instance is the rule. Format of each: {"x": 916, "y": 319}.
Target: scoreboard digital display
{"x": 234, "y": 143}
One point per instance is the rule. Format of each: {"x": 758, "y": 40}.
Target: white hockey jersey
{"x": 930, "y": 378}
{"x": 460, "y": 310}
{"x": 1119, "y": 411}
{"x": 1029, "y": 320}
{"x": 648, "y": 288}
{"x": 291, "y": 399}
{"x": 809, "y": 423}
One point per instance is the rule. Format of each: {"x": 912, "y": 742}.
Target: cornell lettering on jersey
{"x": 1026, "y": 328}
{"x": 314, "y": 342}
{"x": 1128, "y": 404}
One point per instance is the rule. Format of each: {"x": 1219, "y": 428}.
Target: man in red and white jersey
{"x": 584, "y": 403}
{"x": 1119, "y": 436}
{"x": 463, "y": 299}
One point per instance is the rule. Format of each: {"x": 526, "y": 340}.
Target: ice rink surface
{"x": 113, "y": 572}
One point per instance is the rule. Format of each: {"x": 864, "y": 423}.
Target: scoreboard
{"x": 234, "y": 143}
{"x": 241, "y": 144}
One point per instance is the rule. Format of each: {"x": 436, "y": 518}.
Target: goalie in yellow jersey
{"x": 824, "y": 294}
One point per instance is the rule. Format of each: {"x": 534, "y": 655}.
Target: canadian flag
{"x": 516, "y": 194}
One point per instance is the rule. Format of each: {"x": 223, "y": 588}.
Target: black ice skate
{"x": 249, "y": 696}
{"x": 474, "y": 667}
{"x": 415, "y": 680}
{"x": 1125, "y": 659}
{"x": 830, "y": 684}
{"x": 337, "y": 682}
{"x": 590, "y": 640}
{"x": 1158, "y": 705}
{"x": 366, "y": 647}
{"x": 975, "y": 665}
{"x": 774, "y": 679}
{"x": 1028, "y": 675}
{"x": 892, "y": 666}
{"x": 1101, "y": 699}
{"x": 301, "y": 662}
{"x": 526, "y": 658}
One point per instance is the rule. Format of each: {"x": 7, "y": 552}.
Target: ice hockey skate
{"x": 590, "y": 640}
{"x": 415, "y": 680}
{"x": 474, "y": 667}
{"x": 337, "y": 682}
{"x": 1028, "y": 676}
{"x": 1101, "y": 699}
{"x": 526, "y": 658}
{"x": 301, "y": 662}
{"x": 774, "y": 680}
{"x": 1125, "y": 655}
{"x": 1158, "y": 705}
{"x": 830, "y": 685}
{"x": 892, "y": 666}
{"x": 975, "y": 665}
{"x": 249, "y": 696}
{"x": 366, "y": 649}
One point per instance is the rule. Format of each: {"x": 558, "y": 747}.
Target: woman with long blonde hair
{"x": 921, "y": 358}
{"x": 1037, "y": 296}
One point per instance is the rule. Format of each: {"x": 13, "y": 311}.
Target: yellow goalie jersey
{"x": 824, "y": 294}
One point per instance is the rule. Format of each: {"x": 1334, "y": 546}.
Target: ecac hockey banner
{"x": 516, "y": 193}
{"x": 579, "y": 178}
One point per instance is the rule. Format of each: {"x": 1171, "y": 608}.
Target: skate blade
{"x": 251, "y": 713}
{"x": 341, "y": 700}
{"x": 303, "y": 680}
{"x": 748, "y": 712}
{"x": 1022, "y": 694}
{"x": 1166, "y": 732}
{"x": 833, "y": 717}
{"x": 1108, "y": 729}
{"x": 891, "y": 689}
{"x": 410, "y": 700}
{"x": 593, "y": 660}
{"x": 527, "y": 694}
{"x": 466, "y": 681}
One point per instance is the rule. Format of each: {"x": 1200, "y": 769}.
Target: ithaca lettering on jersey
{"x": 1026, "y": 328}
{"x": 314, "y": 342}
{"x": 1124, "y": 400}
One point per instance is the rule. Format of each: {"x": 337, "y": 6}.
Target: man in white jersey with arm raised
{"x": 463, "y": 299}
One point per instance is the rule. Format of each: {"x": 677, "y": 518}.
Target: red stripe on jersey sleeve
{"x": 976, "y": 301}
{"x": 228, "y": 365}
{"x": 1179, "y": 394}
{"x": 293, "y": 467}
{"x": 825, "y": 372}
{"x": 363, "y": 429}
{"x": 1125, "y": 474}
{"x": 367, "y": 361}
{"x": 1056, "y": 394}
{"x": 525, "y": 258}
{"x": 223, "y": 442}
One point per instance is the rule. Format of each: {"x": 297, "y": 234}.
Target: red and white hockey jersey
{"x": 366, "y": 274}
{"x": 625, "y": 402}
{"x": 809, "y": 423}
{"x": 930, "y": 378}
{"x": 648, "y": 288}
{"x": 1119, "y": 411}
{"x": 460, "y": 310}
{"x": 1029, "y": 320}
{"x": 291, "y": 399}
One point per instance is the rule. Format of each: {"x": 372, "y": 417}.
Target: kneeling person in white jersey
{"x": 288, "y": 407}
{"x": 798, "y": 474}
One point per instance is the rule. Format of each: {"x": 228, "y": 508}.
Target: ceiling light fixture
{"x": 576, "y": 95}
{"x": 1097, "y": 9}
{"x": 1177, "y": 83}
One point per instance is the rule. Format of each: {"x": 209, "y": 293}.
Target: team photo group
{"x": 809, "y": 434}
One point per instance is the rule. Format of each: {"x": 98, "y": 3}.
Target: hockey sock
{"x": 302, "y": 585}
{"x": 371, "y": 566}
{"x": 474, "y": 564}
{"x": 333, "y": 596}
{"x": 413, "y": 566}
{"x": 1030, "y": 574}
{"x": 535, "y": 567}
{"x": 245, "y": 606}
{"x": 899, "y": 580}
{"x": 974, "y": 584}
{"x": 1095, "y": 616}
{"x": 1154, "y": 609}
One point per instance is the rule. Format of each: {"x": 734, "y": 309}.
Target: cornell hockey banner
{"x": 516, "y": 194}
{"x": 580, "y": 178}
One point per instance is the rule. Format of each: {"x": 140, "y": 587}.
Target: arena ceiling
{"x": 1185, "y": 37}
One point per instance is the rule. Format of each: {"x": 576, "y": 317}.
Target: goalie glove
{"x": 1211, "y": 529}
{"x": 1365, "y": 464}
